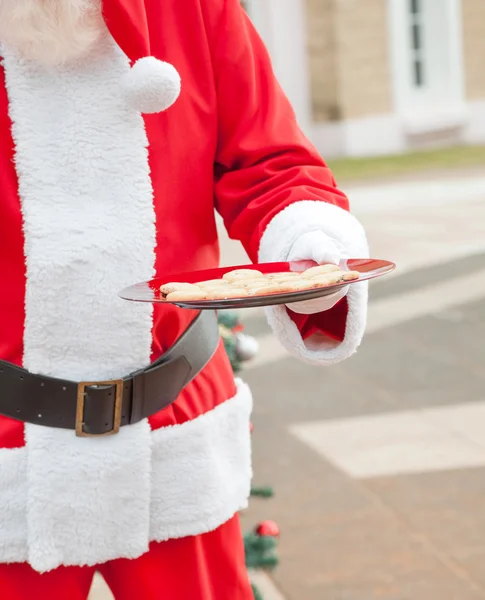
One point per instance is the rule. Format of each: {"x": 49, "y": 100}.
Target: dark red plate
{"x": 149, "y": 291}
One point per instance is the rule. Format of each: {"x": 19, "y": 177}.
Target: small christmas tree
{"x": 239, "y": 346}
{"x": 260, "y": 546}
{"x": 261, "y": 543}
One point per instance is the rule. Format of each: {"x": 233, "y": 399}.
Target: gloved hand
{"x": 319, "y": 247}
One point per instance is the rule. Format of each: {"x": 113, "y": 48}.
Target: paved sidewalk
{"x": 378, "y": 464}
{"x": 99, "y": 590}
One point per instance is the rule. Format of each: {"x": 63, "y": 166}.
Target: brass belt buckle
{"x": 81, "y": 397}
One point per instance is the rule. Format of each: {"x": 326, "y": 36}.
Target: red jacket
{"x": 92, "y": 201}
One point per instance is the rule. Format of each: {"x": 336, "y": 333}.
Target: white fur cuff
{"x": 347, "y": 233}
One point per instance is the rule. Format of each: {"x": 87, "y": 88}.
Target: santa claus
{"x": 102, "y": 186}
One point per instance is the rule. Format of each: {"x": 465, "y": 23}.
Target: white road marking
{"x": 100, "y": 590}
{"x": 265, "y": 585}
{"x": 418, "y": 441}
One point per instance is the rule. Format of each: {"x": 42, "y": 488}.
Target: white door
{"x": 427, "y": 69}
{"x": 281, "y": 24}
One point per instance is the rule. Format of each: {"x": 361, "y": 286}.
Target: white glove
{"x": 320, "y": 248}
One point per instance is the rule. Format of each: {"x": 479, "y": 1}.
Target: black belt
{"x": 102, "y": 407}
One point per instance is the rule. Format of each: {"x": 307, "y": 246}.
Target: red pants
{"x": 204, "y": 567}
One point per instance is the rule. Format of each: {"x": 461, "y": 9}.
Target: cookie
{"x": 270, "y": 288}
{"x": 321, "y": 270}
{"x": 254, "y": 283}
{"x": 186, "y": 296}
{"x": 351, "y": 275}
{"x": 227, "y": 293}
{"x": 213, "y": 283}
{"x": 242, "y": 274}
{"x": 258, "y": 290}
{"x": 287, "y": 274}
{"x": 178, "y": 286}
{"x": 328, "y": 279}
{"x": 288, "y": 277}
{"x": 298, "y": 285}
{"x": 261, "y": 291}
{"x": 251, "y": 282}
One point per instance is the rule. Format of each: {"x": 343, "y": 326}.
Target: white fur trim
{"x": 200, "y": 477}
{"x": 91, "y": 505}
{"x": 278, "y": 239}
{"x": 89, "y": 225}
{"x": 152, "y": 85}
{"x": 202, "y": 470}
{"x": 13, "y": 505}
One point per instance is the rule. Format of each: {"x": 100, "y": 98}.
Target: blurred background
{"x": 375, "y": 77}
{"x": 378, "y": 464}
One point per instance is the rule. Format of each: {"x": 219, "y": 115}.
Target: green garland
{"x": 228, "y": 323}
{"x": 262, "y": 492}
{"x": 260, "y": 551}
{"x": 256, "y": 593}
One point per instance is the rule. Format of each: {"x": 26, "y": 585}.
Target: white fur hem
{"x": 82, "y": 508}
{"x": 344, "y": 229}
{"x": 197, "y": 478}
{"x": 202, "y": 470}
{"x": 13, "y": 505}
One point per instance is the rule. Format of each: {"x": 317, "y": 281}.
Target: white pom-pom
{"x": 151, "y": 85}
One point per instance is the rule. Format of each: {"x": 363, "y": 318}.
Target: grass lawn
{"x": 348, "y": 169}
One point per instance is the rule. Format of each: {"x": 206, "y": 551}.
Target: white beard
{"x": 52, "y": 32}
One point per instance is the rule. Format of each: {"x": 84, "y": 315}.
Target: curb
{"x": 100, "y": 590}
{"x": 265, "y": 585}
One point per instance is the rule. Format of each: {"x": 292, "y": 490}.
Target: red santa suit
{"x": 96, "y": 196}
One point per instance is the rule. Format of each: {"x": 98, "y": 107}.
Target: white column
{"x": 281, "y": 24}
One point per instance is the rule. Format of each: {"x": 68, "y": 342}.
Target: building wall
{"x": 473, "y": 15}
{"x": 364, "y": 69}
{"x": 348, "y": 58}
{"x": 336, "y": 60}
{"x": 322, "y": 60}
{"x": 282, "y": 26}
